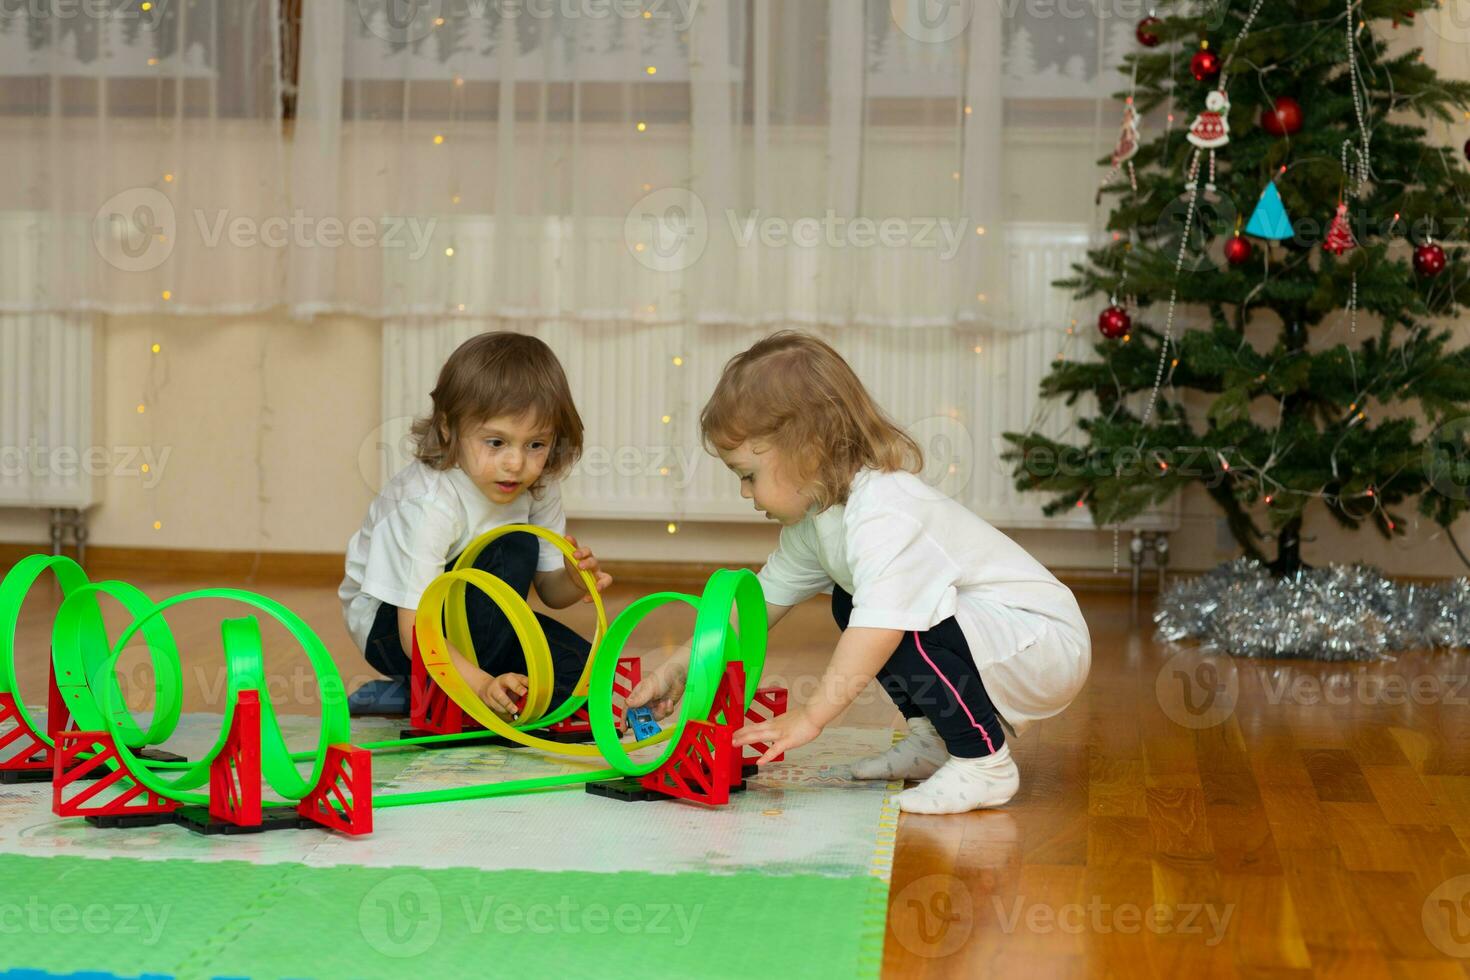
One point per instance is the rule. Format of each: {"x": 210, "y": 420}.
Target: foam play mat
{"x": 793, "y": 871}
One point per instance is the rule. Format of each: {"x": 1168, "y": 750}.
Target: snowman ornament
{"x": 1208, "y": 131}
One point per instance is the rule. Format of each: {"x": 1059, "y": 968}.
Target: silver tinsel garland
{"x": 1342, "y": 612}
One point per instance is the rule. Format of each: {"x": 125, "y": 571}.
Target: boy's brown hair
{"x": 496, "y": 374}
{"x": 796, "y": 394}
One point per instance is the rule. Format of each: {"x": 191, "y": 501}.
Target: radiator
{"x": 640, "y": 408}
{"x": 49, "y": 440}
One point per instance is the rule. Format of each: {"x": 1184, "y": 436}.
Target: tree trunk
{"x": 1288, "y": 550}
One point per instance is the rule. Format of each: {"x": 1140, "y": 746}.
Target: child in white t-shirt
{"x": 959, "y": 625}
{"x": 502, "y": 431}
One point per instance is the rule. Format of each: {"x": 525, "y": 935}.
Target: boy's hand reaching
{"x": 585, "y": 560}
{"x": 502, "y": 693}
{"x": 660, "y": 690}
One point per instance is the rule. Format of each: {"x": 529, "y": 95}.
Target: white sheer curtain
{"x": 757, "y": 162}
{"x": 651, "y": 194}
{"x": 133, "y": 136}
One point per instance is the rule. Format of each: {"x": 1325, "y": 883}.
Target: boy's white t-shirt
{"x": 911, "y": 557}
{"x": 416, "y": 524}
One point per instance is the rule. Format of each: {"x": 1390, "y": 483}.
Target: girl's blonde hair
{"x": 497, "y": 374}
{"x": 798, "y": 395}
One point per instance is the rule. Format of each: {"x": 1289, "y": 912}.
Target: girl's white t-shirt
{"x": 420, "y": 520}
{"x": 911, "y": 557}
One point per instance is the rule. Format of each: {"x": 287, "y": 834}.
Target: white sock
{"x": 961, "y": 785}
{"x": 916, "y": 757}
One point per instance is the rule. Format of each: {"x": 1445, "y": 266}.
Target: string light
{"x": 678, "y": 362}
{"x": 158, "y": 525}
{"x": 168, "y": 178}
{"x": 642, "y": 126}
{"x": 667, "y": 419}
{"x": 673, "y": 528}
{"x": 142, "y": 408}
{"x": 651, "y": 70}
{"x": 438, "y": 138}
{"x": 449, "y": 252}
{"x": 156, "y": 348}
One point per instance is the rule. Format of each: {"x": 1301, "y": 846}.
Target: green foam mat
{"x": 195, "y": 919}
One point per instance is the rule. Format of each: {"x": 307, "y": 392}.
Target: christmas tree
{"x": 1312, "y": 371}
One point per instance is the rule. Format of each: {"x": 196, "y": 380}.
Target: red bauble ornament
{"x": 1114, "y": 322}
{"x": 1146, "y": 32}
{"x": 1204, "y": 65}
{"x": 1429, "y": 260}
{"x": 1284, "y": 118}
{"x": 1238, "y": 251}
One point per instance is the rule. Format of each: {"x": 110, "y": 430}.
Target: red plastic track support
{"x": 725, "y": 711}
{"x": 234, "y": 775}
{"x": 343, "y": 797}
{"x": 726, "y": 708}
{"x": 699, "y": 769}
{"x": 767, "y": 704}
{"x": 576, "y": 723}
{"x": 21, "y": 747}
{"x": 430, "y": 709}
{"x": 77, "y": 755}
{"x": 626, "y": 675}
{"x": 58, "y": 715}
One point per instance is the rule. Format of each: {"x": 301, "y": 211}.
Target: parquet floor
{"x": 1186, "y": 817}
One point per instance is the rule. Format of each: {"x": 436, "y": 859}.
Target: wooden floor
{"x": 1187, "y": 817}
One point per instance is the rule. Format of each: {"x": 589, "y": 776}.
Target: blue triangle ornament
{"x": 1269, "y": 220}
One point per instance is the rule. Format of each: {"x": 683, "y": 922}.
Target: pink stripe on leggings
{"x": 979, "y": 727}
